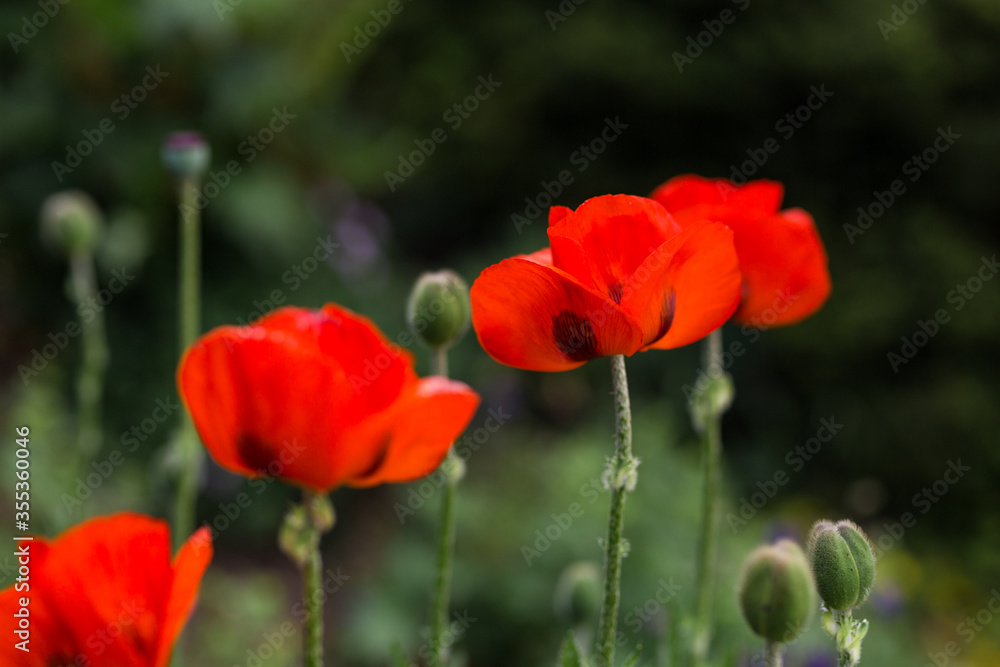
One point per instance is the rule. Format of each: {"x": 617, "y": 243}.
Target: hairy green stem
{"x": 711, "y": 445}
{"x": 446, "y": 546}
{"x": 312, "y": 586}
{"x": 621, "y": 478}
{"x": 190, "y": 324}
{"x": 94, "y": 362}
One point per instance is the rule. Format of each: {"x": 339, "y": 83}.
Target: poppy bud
{"x": 578, "y": 593}
{"x": 438, "y": 309}
{"x": 186, "y": 154}
{"x": 776, "y": 591}
{"x": 71, "y": 222}
{"x": 843, "y": 563}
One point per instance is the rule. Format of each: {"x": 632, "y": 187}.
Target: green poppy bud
{"x": 438, "y": 310}
{"x": 843, "y": 563}
{"x": 579, "y": 593}
{"x": 71, "y": 222}
{"x": 186, "y": 154}
{"x": 776, "y": 591}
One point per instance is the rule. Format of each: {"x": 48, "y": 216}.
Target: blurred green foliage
{"x": 229, "y": 67}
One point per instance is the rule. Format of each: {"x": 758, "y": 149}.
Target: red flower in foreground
{"x": 319, "y": 399}
{"x": 785, "y": 276}
{"x": 103, "y": 593}
{"x": 619, "y": 276}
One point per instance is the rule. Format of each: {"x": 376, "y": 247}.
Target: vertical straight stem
{"x": 622, "y": 478}
{"x": 90, "y": 378}
{"x": 446, "y": 546}
{"x": 190, "y": 325}
{"x": 312, "y": 585}
{"x": 711, "y": 442}
{"x": 773, "y": 654}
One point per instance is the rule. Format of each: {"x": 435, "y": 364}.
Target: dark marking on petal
{"x": 615, "y": 292}
{"x": 255, "y": 453}
{"x": 667, "y": 314}
{"x": 574, "y": 336}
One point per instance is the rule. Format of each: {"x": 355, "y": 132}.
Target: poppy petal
{"x": 245, "y": 389}
{"x": 539, "y": 318}
{"x": 699, "y": 290}
{"x": 607, "y": 238}
{"x": 692, "y": 198}
{"x": 111, "y": 570}
{"x": 784, "y": 267}
{"x": 419, "y": 430}
{"x": 188, "y": 568}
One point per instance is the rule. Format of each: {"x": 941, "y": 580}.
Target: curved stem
{"x": 446, "y": 545}
{"x": 621, "y": 478}
{"x": 711, "y": 445}
{"x": 190, "y": 323}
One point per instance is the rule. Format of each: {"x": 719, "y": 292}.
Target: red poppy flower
{"x": 619, "y": 276}
{"x": 104, "y": 593}
{"x": 784, "y": 266}
{"x": 319, "y": 399}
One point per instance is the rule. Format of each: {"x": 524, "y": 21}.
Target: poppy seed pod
{"x": 438, "y": 309}
{"x": 843, "y": 563}
{"x": 71, "y": 222}
{"x": 186, "y": 154}
{"x": 776, "y": 591}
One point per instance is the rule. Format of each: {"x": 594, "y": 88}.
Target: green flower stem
{"x": 190, "y": 325}
{"x": 312, "y": 585}
{"x": 848, "y": 634}
{"x": 446, "y": 546}
{"x": 90, "y": 378}
{"x": 711, "y": 443}
{"x": 621, "y": 477}
{"x": 773, "y": 656}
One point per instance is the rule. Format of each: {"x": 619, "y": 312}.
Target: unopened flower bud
{"x": 71, "y": 222}
{"x": 776, "y": 591}
{"x": 438, "y": 310}
{"x": 186, "y": 154}
{"x": 843, "y": 563}
{"x": 578, "y": 593}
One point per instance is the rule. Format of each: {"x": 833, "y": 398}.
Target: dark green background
{"x": 325, "y": 174}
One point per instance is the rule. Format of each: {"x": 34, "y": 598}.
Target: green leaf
{"x": 569, "y": 654}
{"x": 633, "y": 659}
